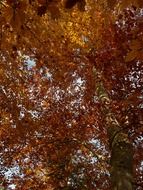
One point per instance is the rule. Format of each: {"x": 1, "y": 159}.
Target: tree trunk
{"x": 121, "y": 161}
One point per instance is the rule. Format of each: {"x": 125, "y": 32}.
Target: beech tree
{"x": 71, "y": 75}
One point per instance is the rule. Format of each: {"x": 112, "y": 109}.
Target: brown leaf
{"x": 81, "y": 5}
{"x": 140, "y": 3}
{"x": 136, "y": 44}
{"x": 111, "y": 3}
{"x": 70, "y": 4}
{"x": 42, "y": 2}
{"x": 131, "y": 56}
{"x": 41, "y": 10}
{"x": 54, "y": 10}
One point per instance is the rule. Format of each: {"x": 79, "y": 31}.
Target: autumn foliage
{"x": 53, "y": 117}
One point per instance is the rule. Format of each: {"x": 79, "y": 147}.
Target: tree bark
{"x": 121, "y": 160}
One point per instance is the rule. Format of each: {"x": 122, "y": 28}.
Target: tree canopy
{"x": 71, "y": 76}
